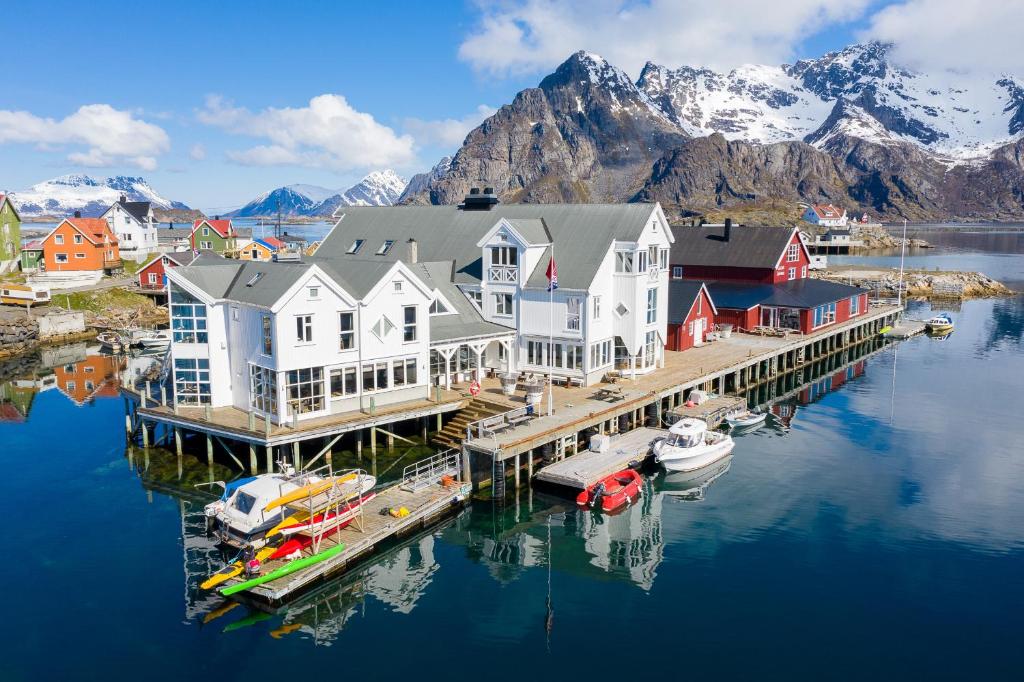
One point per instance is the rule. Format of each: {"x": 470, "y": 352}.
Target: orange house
{"x": 81, "y": 244}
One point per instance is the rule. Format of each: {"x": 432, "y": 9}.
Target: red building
{"x": 733, "y": 253}
{"x": 691, "y": 314}
{"x": 804, "y": 305}
{"x": 151, "y": 275}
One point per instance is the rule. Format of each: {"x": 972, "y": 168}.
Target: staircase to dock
{"x": 453, "y": 433}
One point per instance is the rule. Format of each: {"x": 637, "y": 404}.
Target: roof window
{"x": 255, "y": 278}
{"x": 438, "y": 307}
{"x": 385, "y": 247}
{"x": 356, "y": 245}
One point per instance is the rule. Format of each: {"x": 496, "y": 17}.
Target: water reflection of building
{"x": 16, "y": 398}
{"x": 95, "y": 376}
{"x": 402, "y": 578}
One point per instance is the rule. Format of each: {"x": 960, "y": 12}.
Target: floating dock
{"x": 905, "y": 329}
{"x": 427, "y": 500}
{"x": 587, "y": 468}
{"x": 712, "y": 410}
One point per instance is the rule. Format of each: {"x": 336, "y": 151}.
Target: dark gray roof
{"x": 137, "y": 209}
{"x": 748, "y": 247}
{"x": 838, "y": 231}
{"x": 358, "y": 275}
{"x": 254, "y": 282}
{"x": 681, "y": 295}
{"x": 533, "y": 230}
{"x": 466, "y": 322}
{"x": 800, "y": 293}
{"x": 215, "y": 280}
{"x": 582, "y": 234}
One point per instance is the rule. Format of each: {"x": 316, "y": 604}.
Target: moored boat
{"x": 152, "y": 338}
{"x": 690, "y": 445}
{"x": 745, "y": 420}
{"x": 111, "y": 341}
{"x": 338, "y": 517}
{"x": 939, "y": 324}
{"x": 612, "y": 492}
{"x": 239, "y": 518}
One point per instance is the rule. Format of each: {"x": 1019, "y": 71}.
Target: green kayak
{"x": 287, "y": 569}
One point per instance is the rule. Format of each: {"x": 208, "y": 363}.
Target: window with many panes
{"x": 793, "y": 253}
{"x": 624, "y": 261}
{"x": 652, "y": 306}
{"x": 263, "y": 389}
{"x": 572, "y": 314}
{"x": 600, "y": 354}
{"x": 650, "y": 348}
{"x": 641, "y": 261}
{"x": 854, "y": 305}
{"x": 403, "y": 372}
{"x": 344, "y": 382}
{"x": 347, "y": 331}
{"x": 188, "y": 318}
{"x": 192, "y": 381}
{"x": 304, "y": 328}
{"x": 304, "y": 390}
{"x": 597, "y": 307}
{"x": 504, "y": 255}
{"x": 409, "y": 324}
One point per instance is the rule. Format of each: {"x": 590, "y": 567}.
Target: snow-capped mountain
{"x": 952, "y": 115}
{"x": 379, "y": 188}
{"x": 64, "y": 195}
{"x": 421, "y": 181}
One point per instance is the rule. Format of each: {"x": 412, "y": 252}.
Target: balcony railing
{"x": 505, "y": 274}
{"x": 112, "y": 264}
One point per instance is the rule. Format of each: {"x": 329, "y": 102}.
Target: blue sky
{"x": 211, "y": 102}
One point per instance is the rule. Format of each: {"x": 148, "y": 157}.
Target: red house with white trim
{"x": 733, "y": 253}
{"x": 151, "y": 275}
{"x": 691, "y": 314}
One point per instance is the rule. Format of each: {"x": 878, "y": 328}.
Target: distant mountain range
{"x": 851, "y": 127}
{"x": 380, "y": 188}
{"x": 64, "y": 195}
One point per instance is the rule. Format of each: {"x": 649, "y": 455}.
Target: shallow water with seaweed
{"x": 876, "y": 530}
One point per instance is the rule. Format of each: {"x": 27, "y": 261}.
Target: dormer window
{"x": 385, "y": 247}
{"x": 437, "y": 307}
{"x": 356, "y": 245}
{"x": 504, "y": 264}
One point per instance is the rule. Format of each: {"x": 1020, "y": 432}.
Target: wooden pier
{"x": 713, "y": 410}
{"x": 588, "y": 467}
{"x": 905, "y": 329}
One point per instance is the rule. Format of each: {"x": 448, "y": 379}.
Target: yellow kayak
{"x": 308, "y": 490}
{"x": 297, "y": 517}
{"x": 233, "y": 569}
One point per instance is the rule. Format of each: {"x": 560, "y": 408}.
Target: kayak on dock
{"x": 281, "y": 572}
{"x": 233, "y": 569}
{"x": 612, "y": 492}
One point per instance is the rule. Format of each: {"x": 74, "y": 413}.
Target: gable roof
{"x": 93, "y": 229}
{"x": 179, "y": 258}
{"x": 582, "y": 235}
{"x": 221, "y": 227}
{"x": 682, "y": 294}
{"x": 465, "y": 320}
{"x": 748, "y": 247}
{"x": 798, "y": 293}
{"x": 14, "y": 208}
{"x": 827, "y": 211}
{"x": 136, "y": 209}
{"x": 272, "y": 242}
{"x": 34, "y": 245}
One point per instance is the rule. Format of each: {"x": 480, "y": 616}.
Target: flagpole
{"x": 551, "y": 332}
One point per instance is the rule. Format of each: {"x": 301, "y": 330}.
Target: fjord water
{"x": 880, "y": 536}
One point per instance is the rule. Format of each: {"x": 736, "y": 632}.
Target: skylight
{"x": 356, "y": 245}
{"x": 255, "y": 278}
{"x": 385, "y": 247}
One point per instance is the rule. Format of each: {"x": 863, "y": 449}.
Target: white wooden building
{"x": 133, "y": 223}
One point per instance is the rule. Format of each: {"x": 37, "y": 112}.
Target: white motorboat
{"x": 152, "y": 338}
{"x": 110, "y": 341}
{"x": 746, "y": 419}
{"x": 239, "y": 517}
{"x": 940, "y": 324}
{"x": 690, "y": 445}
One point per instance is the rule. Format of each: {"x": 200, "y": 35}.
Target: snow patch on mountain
{"x": 62, "y": 196}
{"x": 379, "y": 188}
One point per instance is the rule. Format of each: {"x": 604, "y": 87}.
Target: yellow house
{"x": 260, "y": 249}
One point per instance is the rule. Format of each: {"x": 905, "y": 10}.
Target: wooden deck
{"x": 587, "y": 468}
{"x": 578, "y": 408}
{"x": 231, "y": 422}
{"x": 712, "y": 411}
{"x": 364, "y": 534}
{"x": 906, "y": 329}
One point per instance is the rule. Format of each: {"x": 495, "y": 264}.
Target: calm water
{"x": 881, "y": 536}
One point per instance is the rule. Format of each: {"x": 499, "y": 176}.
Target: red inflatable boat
{"x": 612, "y": 492}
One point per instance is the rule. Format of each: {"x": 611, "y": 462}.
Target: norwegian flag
{"x": 552, "y": 274}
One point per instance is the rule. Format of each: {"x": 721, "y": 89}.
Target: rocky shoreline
{"x": 918, "y": 283}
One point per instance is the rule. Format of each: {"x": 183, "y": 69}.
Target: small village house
{"x": 213, "y": 235}
{"x": 133, "y": 224}
{"x": 691, "y": 314}
{"x": 79, "y": 250}
{"x": 10, "y": 235}
{"x": 826, "y": 215}
{"x": 260, "y": 249}
{"x": 151, "y": 275}
{"x": 32, "y": 256}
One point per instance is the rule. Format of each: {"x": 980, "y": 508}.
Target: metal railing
{"x": 429, "y": 471}
{"x": 489, "y": 426}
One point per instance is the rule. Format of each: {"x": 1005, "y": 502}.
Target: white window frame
{"x": 624, "y": 262}
{"x": 791, "y": 274}
{"x": 793, "y": 253}
{"x": 677, "y": 272}
{"x": 60, "y": 258}
{"x": 303, "y": 329}
{"x": 77, "y": 239}
{"x": 267, "y": 332}
{"x": 501, "y": 310}
{"x": 573, "y": 313}
{"x": 597, "y": 307}
{"x": 652, "y": 305}
{"x": 58, "y": 239}
{"x": 346, "y": 336}
{"x": 152, "y": 278}
{"x": 410, "y": 329}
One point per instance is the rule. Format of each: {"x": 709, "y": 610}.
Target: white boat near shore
{"x": 690, "y": 446}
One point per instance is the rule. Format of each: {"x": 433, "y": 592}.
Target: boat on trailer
{"x": 689, "y": 445}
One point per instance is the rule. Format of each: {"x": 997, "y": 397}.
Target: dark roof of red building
{"x": 747, "y": 247}
{"x": 799, "y": 293}
{"x": 681, "y": 295}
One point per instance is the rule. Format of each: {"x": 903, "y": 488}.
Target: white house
{"x": 826, "y": 215}
{"x": 133, "y": 223}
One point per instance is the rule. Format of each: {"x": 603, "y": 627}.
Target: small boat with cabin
{"x": 940, "y": 324}
{"x": 111, "y": 341}
{"x": 152, "y": 338}
{"x": 689, "y": 445}
{"x": 612, "y": 492}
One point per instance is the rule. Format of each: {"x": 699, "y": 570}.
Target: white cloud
{"x": 448, "y": 133}
{"x": 953, "y": 34}
{"x": 525, "y": 36}
{"x": 111, "y": 136}
{"x": 197, "y": 152}
{"x": 328, "y": 133}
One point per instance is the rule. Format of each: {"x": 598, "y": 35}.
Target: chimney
{"x": 216, "y": 217}
{"x": 413, "y": 251}
{"x": 123, "y": 199}
{"x": 78, "y": 214}
{"x": 479, "y": 201}
{"x": 728, "y": 228}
